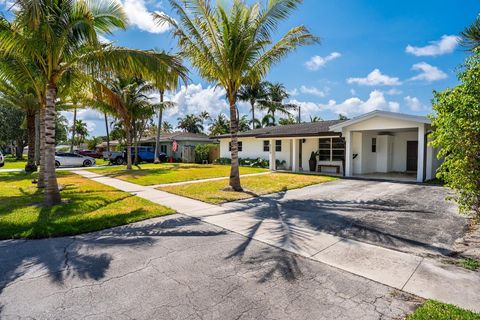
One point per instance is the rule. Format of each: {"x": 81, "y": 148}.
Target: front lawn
{"x": 88, "y": 206}
{"x": 217, "y": 192}
{"x": 434, "y": 310}
{"x": 12, "y": 163}
{"x": 150, "y": 174}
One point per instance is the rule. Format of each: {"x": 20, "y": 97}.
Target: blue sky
{"x": 374, "y": 55}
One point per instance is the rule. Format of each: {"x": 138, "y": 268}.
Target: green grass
{"x": 217, "y": 192}
{"x": 434, "y": 310}
{"x": 150, "y": 174}
{"x": 87, "y": 206}
{"x": 12, "y": 163}
{"x": 470, "y": 264}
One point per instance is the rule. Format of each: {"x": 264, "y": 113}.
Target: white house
{"x": 378, "y": 144}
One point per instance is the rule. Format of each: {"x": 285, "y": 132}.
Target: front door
{"x": 412, "y": 155}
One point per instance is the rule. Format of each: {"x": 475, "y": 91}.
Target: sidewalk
{"x": 423, "y": 277}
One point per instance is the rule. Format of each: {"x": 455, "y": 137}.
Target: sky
{"x": 387, "y": 55}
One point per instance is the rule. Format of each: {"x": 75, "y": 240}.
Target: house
{"x": 185, "y": 141}
{"x": 378, "y": 144}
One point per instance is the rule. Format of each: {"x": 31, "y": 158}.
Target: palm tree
{"x": 268, "y": 121}
{"x": 315, "y": 119}
{"x": 286, "y": 121}
{"x": 253, "y": 93}
{"x": 61, "y": 37}
{"x": 231, "y": 45}
{"x": 167, "y": 127}
{"x": 73, "y": 129}
{"x": 276, "y": 94}
{"x": 81, "y": 129}
{"x": 243, "y": 124}
{"x": 470, "y": 37}
{"x": 190, "y": 123}
{"x": 220, "y": 125}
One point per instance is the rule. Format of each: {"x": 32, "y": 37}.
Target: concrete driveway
{"x": 406, "y": 217}
{"x": 177, "y": 267}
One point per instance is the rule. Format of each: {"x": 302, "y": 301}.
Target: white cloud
{"x": 352, "y": 106}
{"x": 353, "y": 92}
{"x": 375, "y": 78}
{"x": 195, "y": 99}
{"x": 140, "y": 17}
{"x": 316, "y": 62}
{"x": 393, "y": 92}
{"x": 293, "y": 93}
{"x": 428, "y": 72}
{"x": 414, "y": 104}
{"x": 314, "y": 91}
{"x": 446, "y": 44}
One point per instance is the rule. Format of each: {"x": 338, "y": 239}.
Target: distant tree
{"x": 190, "y": 123}
{"x": 268, "y": 121}
{"x": 315, "y": 119}
{"x": 11, "y": 128}
{"x": 61, "y": 129}
{"x": 286, "y": 121}
{"x": 456, "y": 120}
{"x": 253, "y": 93}
{"x": 81, "y": 131}
{"x": 167, "y": 127}
{"x": 93, "y": 142}
{"x": 276, "y": 94}
{"x": 243, "y": 124}
{"x": 220, "y": 125}
{"x": 342, "y": 117}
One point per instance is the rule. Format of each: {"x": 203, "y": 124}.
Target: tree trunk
{"x": 52, "y": 194}
{"x": 253, "y": 114}
{"x": 159, "y": 130}
{"x": 74, "y": 128}
{"x": 41, "y": 174}
{"x": 31, "y": 135}
{"x": 37, "y": 137}
{"x": 128, "y": 134}
{"x": 135, "y": 142}
{"x": 108, "y": 132}
{"x": 19, "y": 147}
{"x": 234, "y": 170}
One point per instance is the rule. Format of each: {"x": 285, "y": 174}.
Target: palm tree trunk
{"x": 52, "y": 194}
{"x": 234, "y": 170}
{"x": 253, "y": 114}
{"x": 128, "y": 134}
{"x": 41, "y": 173}
{"x": 135, "y": 142}
{"x": 74, "y": 128}
{"x": 31, "y": 166}
{"x": 159, "y": 130}
{"x": 108, "y": 132}
{"x": 37, "y": 137}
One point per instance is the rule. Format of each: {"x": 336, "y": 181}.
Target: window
{"x": 163, "y": 148}
{"x": 331, "y": 149}
{"x": 239, "y": 146}
{"x": 266, "y": 146}
{"x": 278, "y": 145}
{"x": 374, "y": 144}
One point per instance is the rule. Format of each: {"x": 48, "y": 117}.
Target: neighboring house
{"x": 185, "y": 141}
{"x": 378, "y": 144}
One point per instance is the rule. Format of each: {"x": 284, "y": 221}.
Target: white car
{"x": 2, "y": 159}
{"x": 73, "y": 160}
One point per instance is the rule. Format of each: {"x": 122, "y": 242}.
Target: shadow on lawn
{"x": 81, "y": 257}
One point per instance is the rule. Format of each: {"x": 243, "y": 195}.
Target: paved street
{"x": 177, "y": 267}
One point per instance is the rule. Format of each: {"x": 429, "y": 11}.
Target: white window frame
{"x": 331, "y": 149}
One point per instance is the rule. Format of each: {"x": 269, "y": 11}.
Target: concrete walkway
{"x": 423, "y": 277}
{"x": 206, "y": 180}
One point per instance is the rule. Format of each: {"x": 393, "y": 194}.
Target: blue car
{"x": 145, "y": 154}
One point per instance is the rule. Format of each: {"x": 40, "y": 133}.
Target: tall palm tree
{"x": 276, "y": 94}
{"x": 315, "y": 119}
{"x": 61, "y": 37}
{"x": 268, "y": 121}
{"x": 191, "y": 123}
{"x": 470, "y": 37}
{"x": 253, "y": 93}
{"x": 219, "y": 125}
{"x": 81, "y": 129}
{"x": 232, "y": 45}
{"x": 73, "y": 129}
{"x": 167, "y": 127}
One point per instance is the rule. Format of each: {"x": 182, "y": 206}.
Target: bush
{"x": 201, "y": 153}
{"x": 246, "y": 162}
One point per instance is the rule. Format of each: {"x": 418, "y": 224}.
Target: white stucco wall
{"x": 400, "y": 149}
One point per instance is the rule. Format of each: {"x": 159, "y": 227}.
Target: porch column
{"x": 348, "y": 154}
{"x": 272, "y": 158}
{"x": 295, "y": 160}
{"x": 421, "y": 152}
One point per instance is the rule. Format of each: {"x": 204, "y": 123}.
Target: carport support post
{"x": 272, "y": 158}
{"x": 421, "y": 152}
{"x": 295, "y": 157}
{"x": 348, "y": 153}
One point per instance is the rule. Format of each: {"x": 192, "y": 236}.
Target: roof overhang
{"x": 379, "y": 113}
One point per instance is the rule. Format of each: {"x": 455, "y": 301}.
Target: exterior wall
{"x": 357, "y": 146}
{"x": 400, "y": 149}
{"x": 382, "y": 124}
{"x": 253, "y": 148}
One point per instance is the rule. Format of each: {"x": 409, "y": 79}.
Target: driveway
{"x": 177, "y": 267}
{"x": 406, "y": 217}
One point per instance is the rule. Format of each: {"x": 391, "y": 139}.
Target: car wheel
{"x": 87, "y": 163}
{"x": 57, "y": 164}
{"x": 119, "y": 160}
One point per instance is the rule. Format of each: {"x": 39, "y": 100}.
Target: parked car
{"x": 91, "y": 153}
{"x": 73, "y": 160}
{"x": 145, "y": 154}
{"x": 2, "y": 159}
{"x": 114, "y": 157}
